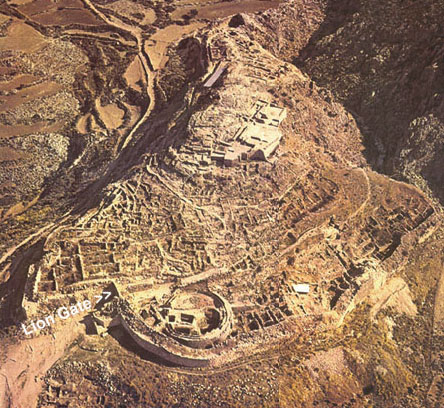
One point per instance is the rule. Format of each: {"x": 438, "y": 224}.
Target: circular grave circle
{"x": 198, "y": 319}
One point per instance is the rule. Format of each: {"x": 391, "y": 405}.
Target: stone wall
{"x": 165, "y": 348}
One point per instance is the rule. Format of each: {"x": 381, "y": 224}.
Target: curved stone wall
{"x": 189, "y": 351}
{"x": 216, "y": 335}
{"x": 165, "y": 348}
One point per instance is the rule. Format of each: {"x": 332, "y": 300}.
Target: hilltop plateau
{"x": 221, "y": 204}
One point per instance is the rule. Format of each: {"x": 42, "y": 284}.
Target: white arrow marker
{"x": 100, "y": 297}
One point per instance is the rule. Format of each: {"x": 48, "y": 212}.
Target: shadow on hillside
{"x": 382, "y": 62}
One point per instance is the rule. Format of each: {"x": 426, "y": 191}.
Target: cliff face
{"x": 384, "y": 61}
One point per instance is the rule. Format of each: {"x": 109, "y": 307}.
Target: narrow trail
{"x": 135, "y": 32}
{"x": 435, "y": 393}
{"x": 215, "y": 371}
{"x": 368, "y": 197}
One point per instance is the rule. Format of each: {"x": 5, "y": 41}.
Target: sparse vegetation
{"x": 105, "y": 117}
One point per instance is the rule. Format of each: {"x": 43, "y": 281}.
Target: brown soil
{"x": 22, "y": 37}
{"x": 134, "y": 75}
{"x": 25, "y": 364}
{"x": 18, "y": 82}
{"x": 82, "y": 123}
{"x": 41, "y": 6}
{"x": 157, "y": 45}
{"x": 222, "y": 10}
{"x": 22, "y": 130}
{"x": 66, "y": 17}
{"x": 4, "y": 18}
{"x": 8, "y": 154}
{"x": 28, "y": 94}
{"x": 110, "y": 114}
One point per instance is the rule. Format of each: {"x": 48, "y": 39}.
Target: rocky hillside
{"x": 248, "y": 149}
{"x": 384, "y": 61}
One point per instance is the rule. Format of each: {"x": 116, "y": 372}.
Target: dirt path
{"x": 136, "y": 32}
{"x": 368, "y": 196}
{"x": 435, "y": 395}
{"x": 214, "y": 371}
{"x": 24, "y": 365}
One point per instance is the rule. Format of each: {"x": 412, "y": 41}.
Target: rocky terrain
{"x": 247, "y": 193}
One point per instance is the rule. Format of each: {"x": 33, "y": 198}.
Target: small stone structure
{"x": 208, "y": 321}
{"x": 216, "y": 75}
{"x": 260, "y": 137}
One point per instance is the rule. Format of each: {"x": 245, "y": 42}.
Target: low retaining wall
{"x": 166, "y": 348}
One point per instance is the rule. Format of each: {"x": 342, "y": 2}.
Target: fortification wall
{"x": 170, "y": 349}
{"x": 178, "y": 354}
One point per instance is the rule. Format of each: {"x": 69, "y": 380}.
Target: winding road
{"x": 136, "y": 33}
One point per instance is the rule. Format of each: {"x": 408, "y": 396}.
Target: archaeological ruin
{"x": 225, "y": 240}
